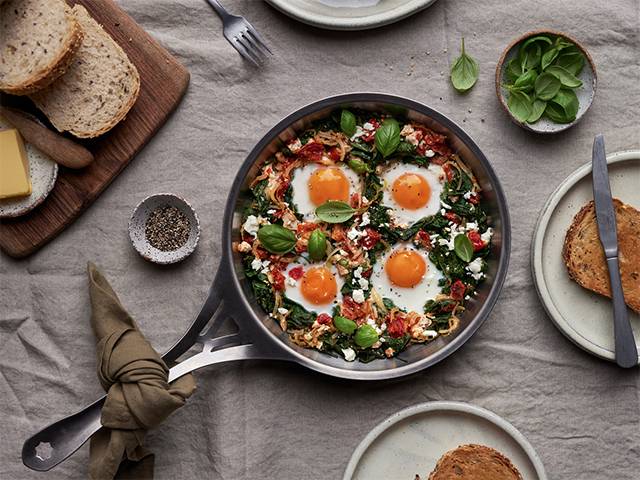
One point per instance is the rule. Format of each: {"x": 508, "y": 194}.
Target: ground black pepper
{"x": 167, "y": 228}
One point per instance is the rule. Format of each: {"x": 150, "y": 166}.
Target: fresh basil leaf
{"x": 317, "y": 245}
{"x": 514, "y": 69}
{"x": 548, "y": 57}
{"x": 519, "y": 104}
{"x": 388, "y": 137}
{"x": 568, "y": 100}
{"x": 348, "y": 123}
{"x": 463, "y": 247}
{"x": 526, "y": 80}
{"x": 334, "y": 211}
{"x": 537, "y": 38}
{"x": 571, "y": 61}
{"x": 464, "y": 72}
{"x": 546, "y": 86}
{"x": 537, "y": 109}
{"x": 365, "y": 336}
{"x": 556, "y": 113}
{"x": 358, "y": 165}
{"x": 566, "y": 77}
{"x": 276, "y": 239}
{"x": 530, "y": 57}
{"x": 561, "y": 44}
{"x": 344, "y": 324}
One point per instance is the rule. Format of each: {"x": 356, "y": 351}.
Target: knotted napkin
{"x": 135, "y": 379}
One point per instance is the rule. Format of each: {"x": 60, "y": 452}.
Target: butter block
{"x": 15, "y": 180}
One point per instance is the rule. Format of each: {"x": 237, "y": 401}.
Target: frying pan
{"x": 259, "y": 336}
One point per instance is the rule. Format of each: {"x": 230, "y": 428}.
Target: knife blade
{"x": 625, "y": 346}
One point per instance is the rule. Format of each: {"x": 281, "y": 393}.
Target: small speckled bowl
{"x": 138, "y": 222}
{"x": 585, "y": 94}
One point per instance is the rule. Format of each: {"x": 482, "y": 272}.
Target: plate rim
{"x": 536, "y": 258}
{"x": 449, "y": 406}
{"x": 350, "y": 23}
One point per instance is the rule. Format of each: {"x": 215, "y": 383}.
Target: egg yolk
{"x": 405, "y": 268}
{"x": 319, "y": 286}
{"x": 328, "y": 184}
{"x": 411, "y": 191}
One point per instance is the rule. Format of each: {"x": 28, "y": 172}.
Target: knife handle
{"x": 626, "y": 351}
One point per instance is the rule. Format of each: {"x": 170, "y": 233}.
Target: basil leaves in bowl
{"x": 546, "y": 81}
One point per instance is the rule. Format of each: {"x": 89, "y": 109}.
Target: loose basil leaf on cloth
{"x": 348, "y": 123}
{"x": 334, "y": 211}
{"x": 547, "y": 86}
{"x": 565, "y": 76}
{"x": 344, "y": 324}
{"x": 276, "y": 239}
{"x": 537, "y": 109}
{"x": 464, "y": 72}
{"x": 317, "y": 245}
{"x": 520, "y": 106}
{"x": 463, "y": 247}
{"x": 365, "y": 336}
{"x": 388, "y": 137}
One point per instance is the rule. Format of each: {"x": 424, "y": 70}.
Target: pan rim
{"x": 395, "y": 371}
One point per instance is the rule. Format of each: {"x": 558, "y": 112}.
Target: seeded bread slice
{"x": 584, "y": 256}
{"x": 98, "y": 89}
{"x": 38, "y": 39}
{"x": 474, "y": 462}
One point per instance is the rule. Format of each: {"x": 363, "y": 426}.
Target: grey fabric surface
{"x": 267, "y": 420}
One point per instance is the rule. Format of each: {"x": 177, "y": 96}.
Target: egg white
{"x": 435, "y": 177}
{"x": 300, "y": 186}
{"x": 292, "y": 292}
{"x": 413, "y": 298}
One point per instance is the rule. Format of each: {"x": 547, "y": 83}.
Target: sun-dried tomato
{"x": 281, "y": 190}
{"x": 370, "y": 135}
{"x": 370, "y": 239}
{"x": 448, "y": 171}
{"x": 474, "y": 199}
{"x": 354, "y": 200}
{"x": 350, "y": 308}
{"x": 312, "y": 152}
{"x": 278, "y": 279}
{"x": 296, "y": 272}
{"x": 324, "y": 319}
{"x": 452, "y": 217}
{"x": 457, "y": 290}
{"x": 396, "y": 327}
{"x": 437, "y": 143}
{"x": 305, "y": 227}
{"x": 423, "y": 238}
{"x": 476, "y": 240}
{"x": 334, "y": 154}
{"x": 367, "y": 273}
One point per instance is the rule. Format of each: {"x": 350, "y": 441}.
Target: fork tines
{"x": 251, "y": 45}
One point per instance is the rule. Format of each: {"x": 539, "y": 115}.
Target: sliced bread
{"x": 474, "y": 462}
{"x": 584, "y": 256}
{"x": 38, "y": 39}
{"x": 98, "y": 89}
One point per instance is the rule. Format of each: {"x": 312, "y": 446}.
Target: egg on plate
{"x": 315, "y": 184}
{"x": 411, "y": 191}
{"x": 315, "y": 286}
{"x": 406, "y": 276}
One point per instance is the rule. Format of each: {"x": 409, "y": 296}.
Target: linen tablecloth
{"x": 268, "y": 420}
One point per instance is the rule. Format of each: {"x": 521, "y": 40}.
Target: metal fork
{"x": 241, "y": 34}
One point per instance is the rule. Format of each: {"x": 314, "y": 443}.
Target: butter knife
{"x": 625, "y": 345}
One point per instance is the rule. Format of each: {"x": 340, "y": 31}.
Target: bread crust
{"x": 56, "y": 68}
{"x": 584, "y": 258}
{"x": 474, "y": 462}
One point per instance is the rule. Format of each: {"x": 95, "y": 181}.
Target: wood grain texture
{"x": 163, "y": 83}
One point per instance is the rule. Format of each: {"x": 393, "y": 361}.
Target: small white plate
{"x": 43, "y": 172}
{"x": 586, "y": 318}
{"x": 412, "y": 440}
{"x": 349, "y": 14}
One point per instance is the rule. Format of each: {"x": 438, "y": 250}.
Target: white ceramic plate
{"x": 349, "y": 14}
{"x": 44, "y": 173}
{"x": 586, "y": 318}
{"x": 411, "y": 441}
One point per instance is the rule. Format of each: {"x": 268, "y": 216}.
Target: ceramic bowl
{"x": 585, "y": 94}
{"x": 138, "y": 222}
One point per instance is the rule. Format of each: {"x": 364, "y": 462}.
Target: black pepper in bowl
{"x": 167, "y": 228}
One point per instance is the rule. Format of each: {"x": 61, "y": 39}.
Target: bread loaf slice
{"x": 98, "y": 89}
{"x": 38, "y": 39}
{"x": 584, "y": 256}
{"x": 474, "y": 462}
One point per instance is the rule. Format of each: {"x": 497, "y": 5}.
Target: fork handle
{"x": 220, "y": 10}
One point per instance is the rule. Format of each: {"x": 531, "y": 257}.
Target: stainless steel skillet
{"x": 259, "y": 336}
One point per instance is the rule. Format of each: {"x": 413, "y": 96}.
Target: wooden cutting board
{"x": 163, "y": 82}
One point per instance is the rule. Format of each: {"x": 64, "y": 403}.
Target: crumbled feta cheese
{"x": 357, "y": 273}
{"x": 342, "y": 252}
{"x": 445, "y": 205}
{"x": 365, "y": 200}
{"x": 429, "y": 153}
{"x": 256, "y": 264}
{"x": 430, "y": 334}
{"x": 467, "y": 195}
{"x": 475, "y": 268}
{"x": 282, "y": 311}
{"x": 371, "y": 321}
{"x": 358, "y": 296}
{"x": 295, "y": 145}
{"x": 368, "y": 126}
{"x": 349, "y": 354}
{"x": 291, "y": 281}
{"x": 407, "y": 130}
{"x": 271, "y": 211}
{"x": 383, "y": 327}
{"x": 365, "y": 219}
{"x": 251, "y": 225}
{"x": 486, "y": 236}
{"x": 442, "y": 211}
{"x": 244, "y": 247}
{"x": 359, "y": 132}
{"x": 364, "y": 283}
{"x": 353, "y": 234}
{"x": 471, "y": 226}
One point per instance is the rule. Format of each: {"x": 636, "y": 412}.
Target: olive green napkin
{"x": 135, "y": 379}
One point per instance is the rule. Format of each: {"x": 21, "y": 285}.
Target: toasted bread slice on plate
{"x": 474, "y": 462}
{"x": 98, "y": 89}
{"x": 38, "y": 39}
{"x": 584, "y": 256}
